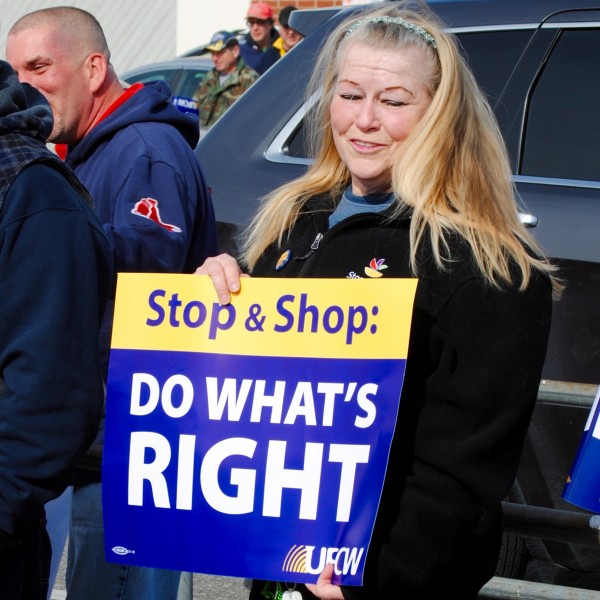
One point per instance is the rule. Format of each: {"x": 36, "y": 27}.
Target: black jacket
{"x": 473, "y": 370}
{"x": 56, "y": 270}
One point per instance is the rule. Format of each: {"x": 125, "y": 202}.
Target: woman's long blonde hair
{"x": 454, "y": 172}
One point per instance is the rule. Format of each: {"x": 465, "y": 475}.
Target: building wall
{"x": 143, "y": 31}
{"x": 278, "y": 4}
{"x": 197, "y": 20}
{"x": 137, "y": 31}
{"x": 194, "y": 16}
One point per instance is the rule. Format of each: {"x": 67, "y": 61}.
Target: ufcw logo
{"x": 300, "y": 559}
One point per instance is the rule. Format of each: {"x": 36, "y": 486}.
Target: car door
{"x": 549, "y": 116}
{"x": 554, "y": 138}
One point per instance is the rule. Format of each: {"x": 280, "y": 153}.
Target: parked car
{"x": 539, "y": 64}
{"x": 183, "y": 75}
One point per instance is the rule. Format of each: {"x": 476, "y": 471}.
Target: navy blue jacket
{"x": 256, "y": 57}
{"x": 55, "y": 273}
{"x": 144, "y": 149}
{"x": 151, "y": 197}
{"x": 152, "y": 200}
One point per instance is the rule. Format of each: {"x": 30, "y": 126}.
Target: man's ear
{"x": 97, "y": 69}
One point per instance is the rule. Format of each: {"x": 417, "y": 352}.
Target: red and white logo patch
{"x": 148, "y": 208}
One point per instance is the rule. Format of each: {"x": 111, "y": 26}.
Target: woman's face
{"x": 379, "y": 97}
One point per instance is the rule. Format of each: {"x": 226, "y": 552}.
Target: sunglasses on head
{"x": 250, "y": 22}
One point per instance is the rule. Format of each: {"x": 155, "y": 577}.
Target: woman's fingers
{"x": 225, "y": 274}
{"x": 324, "y": 589}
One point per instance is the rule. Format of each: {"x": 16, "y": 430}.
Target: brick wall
{"x": 279, "y": 4}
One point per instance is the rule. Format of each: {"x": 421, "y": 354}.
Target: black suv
{"x": 538, "y": 61}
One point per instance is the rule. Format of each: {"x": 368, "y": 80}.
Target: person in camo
{"x": 226, "y": 82}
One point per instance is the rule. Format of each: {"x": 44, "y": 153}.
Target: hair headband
{"x": 394, "y": 21}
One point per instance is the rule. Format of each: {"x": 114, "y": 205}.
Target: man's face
{"x": 225, "y": 60}
{"x": 260, "y": 30}
{"x": 289, "y": 36}
{"x": 42, "y": 58}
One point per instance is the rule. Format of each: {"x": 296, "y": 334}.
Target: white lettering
{"x": 151, "y": 382}
{"x": 228, "y": 397}
{"x": 367, "y": 405}
{"x": 344, "y": 560}
{"x": 307, "y": 480}
{"x": 309, "y": 566}
{"x": 167, "y": 396}
{"x": 262, "y": 400}
{"x": 352, "y": 560}
{"x": 330, "y": 390}
{"x": 302, "y": 404}
{"x": 349, "y": 456}
{"x": 185, "y": 472}
{"x": 140, "y": 471}
{"x": 226, "y": 401}
{"x": 244, "y": 479}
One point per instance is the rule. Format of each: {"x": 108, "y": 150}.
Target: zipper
{"x": 313, "y": 248}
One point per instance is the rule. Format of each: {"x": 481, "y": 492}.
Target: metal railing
{"x": 549, "y": 523}
{"x": 507, "y": 589}
{"x": 531, "y": 521}
{"x": 566, "y": 393}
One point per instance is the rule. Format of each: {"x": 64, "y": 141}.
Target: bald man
{"x": 133, "y": 150}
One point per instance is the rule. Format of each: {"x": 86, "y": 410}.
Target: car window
{"x": 295, "y": 146}
{"x": 189, "y": 82}
{"x": 167, "y": 75}
{"x": 562, "y": 127}
{"x": 492, "y": 56}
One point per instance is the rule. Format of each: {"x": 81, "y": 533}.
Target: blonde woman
{"x": 411, "y": 178}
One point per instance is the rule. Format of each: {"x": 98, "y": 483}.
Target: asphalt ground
{"x": 210, "y": 587}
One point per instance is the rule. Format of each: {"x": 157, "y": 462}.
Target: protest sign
{"x": 251, "y": 440}
{"x": 583, "y": 482}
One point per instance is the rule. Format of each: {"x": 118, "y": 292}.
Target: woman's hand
{"x": 225, "y": 274}
{"x": 324, "y": 589}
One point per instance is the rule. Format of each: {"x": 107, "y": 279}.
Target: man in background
{"x": 288, "y": 37}
{"x": 257, "y": 46}
{"x": 133, "y": 150}
{"x": 55, "y": 275}
{"x": 224, "y": 84}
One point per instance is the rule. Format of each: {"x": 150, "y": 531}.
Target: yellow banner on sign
{"x": 336, "y": 318}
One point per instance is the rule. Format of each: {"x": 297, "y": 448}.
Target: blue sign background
{"x": 583, "y": 483}
{"x": 207, "y": 540}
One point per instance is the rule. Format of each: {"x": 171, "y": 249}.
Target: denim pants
{"x": 89, "y": 576}
{"x": 58, "y": 516}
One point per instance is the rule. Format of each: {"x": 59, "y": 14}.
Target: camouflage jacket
{"x": 214, "y": 99}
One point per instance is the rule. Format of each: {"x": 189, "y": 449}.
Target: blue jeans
{"x": 89, "y": 576}
{"x": 58, "y": 515}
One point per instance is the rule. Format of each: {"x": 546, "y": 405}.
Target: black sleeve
{"x": 439, "y": 525}
{"x": 54, "y": 261}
